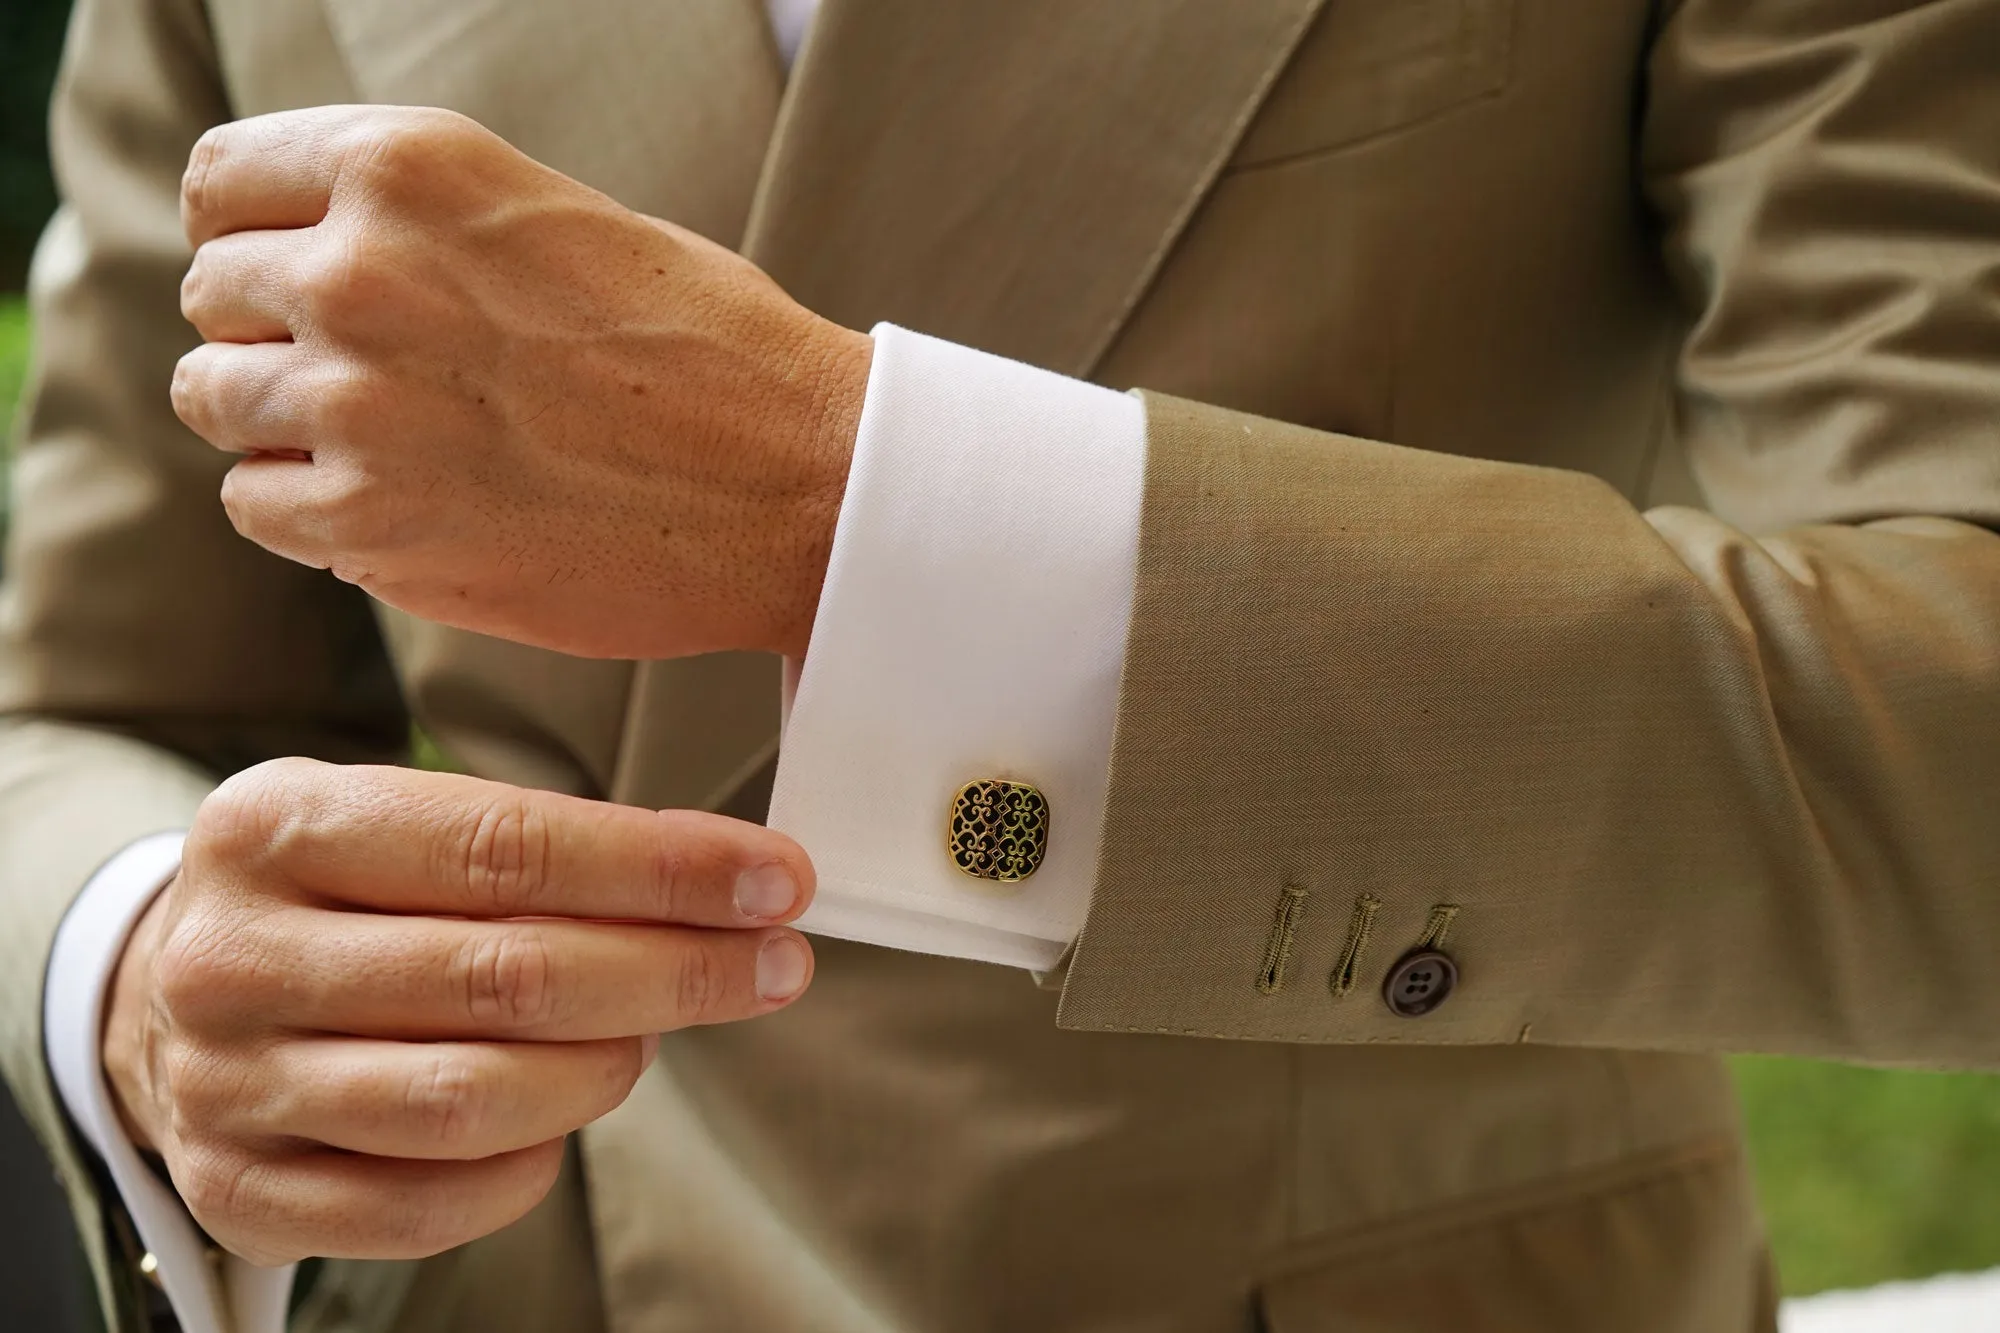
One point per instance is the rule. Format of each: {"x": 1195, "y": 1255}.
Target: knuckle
{"x": 446, "y": 1100}
{"x": 343, "y": 407}
{"x": 242, "y": 806}
{"x": 343, "y": 280}
{"x": 197, "y": 179}
{"x": 346, "y": 512}
{"x": 239, "y": 1198}
{"x": 205, "y": 1088}
{"x": 397, "y": 150}
{"x": 506, "y": 854}
{"x": 216, "y": 1184}
{"x": 506, "y": 977}
{"x": 189, "y": 389}
{"x": 197, "y": 285}
{"x": 207, "y": 1191}
{"x": 385, "y": 150}
{"x": 243, "y": 514}
{"x": 422, "y": 129}
{"x": 442, "y": 123}
{"x": 672, "y": 881}
{"x": 361, "y": 576}
{"x": 408, "y": 1232}
{"x": 262, "y": 814}
{"x": 185, "y": 1075}
{"x": 353, "y": 505}
{"x": 197, "y": 974}
{"x": 411, "y": 1229}
{"x": 701, "y": 983}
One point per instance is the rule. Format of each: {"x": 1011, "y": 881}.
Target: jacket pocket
{"x": 1371, "y": 66}
{"x": 1673, "y": 1250}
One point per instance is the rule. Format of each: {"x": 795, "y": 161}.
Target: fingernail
{"x": 767, "y": 892}
{"x": 649, "y": 1046}
{"x": 781, "y": 968}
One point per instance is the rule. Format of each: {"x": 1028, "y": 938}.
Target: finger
{"x": 245, "y": 397}
{"x": 409, "y": 841}
{"x": 269, "y": 171}
{"x": 455, "y": 1101}
{"x": 283, "y": 170}
{"x": 244, "y": 287}
{"x": 347, "y": 1206}
{"x": 547, "y": 979}
{"x": 279, "y": 501}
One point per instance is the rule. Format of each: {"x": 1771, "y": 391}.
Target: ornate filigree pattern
{"x": 999, "y": 830}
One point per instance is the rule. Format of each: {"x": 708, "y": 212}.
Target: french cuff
{"x": 967, "y": 650}
{"x": 201, "y": 1282}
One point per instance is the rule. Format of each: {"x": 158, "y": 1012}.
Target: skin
{"x": 363, "y": 1017}
{"x": 500, "y": 400}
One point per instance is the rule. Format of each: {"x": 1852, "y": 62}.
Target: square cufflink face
{"x": 999, "y": 830}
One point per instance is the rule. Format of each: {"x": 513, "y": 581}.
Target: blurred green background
{"x": 1866, "y": 1175}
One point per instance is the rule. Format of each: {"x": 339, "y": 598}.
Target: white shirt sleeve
{"x": 972, "y": 626}
{"x": 86, "y": 952}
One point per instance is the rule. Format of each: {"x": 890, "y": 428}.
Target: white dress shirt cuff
{"x": 972, "y": 626}
{"x": 86, "y": 952}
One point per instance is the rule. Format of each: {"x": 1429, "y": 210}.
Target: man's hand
{"x": 498, "y": 399}
{"x": 361, "y": 1020}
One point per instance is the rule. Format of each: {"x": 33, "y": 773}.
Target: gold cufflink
{"x": 999, "y": 830}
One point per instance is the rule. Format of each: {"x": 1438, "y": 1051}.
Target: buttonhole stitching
{"x": 1359, "y": 926}
{"x": 1278, "y": 949}
{"x": 1437, "y": 926}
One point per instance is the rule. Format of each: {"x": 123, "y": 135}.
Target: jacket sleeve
{"x": 144, "y": 648}
{"x": 1669, "y": 779}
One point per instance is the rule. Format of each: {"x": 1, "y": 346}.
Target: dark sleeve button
{"x": 1419, "y": 983}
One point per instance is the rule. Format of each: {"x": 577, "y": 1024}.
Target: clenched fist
{"x": 498, "y": 399}
{"x": 361, "y": 1020}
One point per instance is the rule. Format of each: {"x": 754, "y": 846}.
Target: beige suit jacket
{"x": 1584, "y": 524}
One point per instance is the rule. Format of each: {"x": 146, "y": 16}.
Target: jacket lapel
{"x": 666, "y": 107}
{"x": 1007, "y": 175}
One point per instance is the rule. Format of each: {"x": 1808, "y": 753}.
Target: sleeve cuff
{"x": 85, "y": 954}
{"x": 972, "y": 627}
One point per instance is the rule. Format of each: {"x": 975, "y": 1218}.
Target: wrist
{"x": 127, "y": 1044}
{"x": 841, "y": 359}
